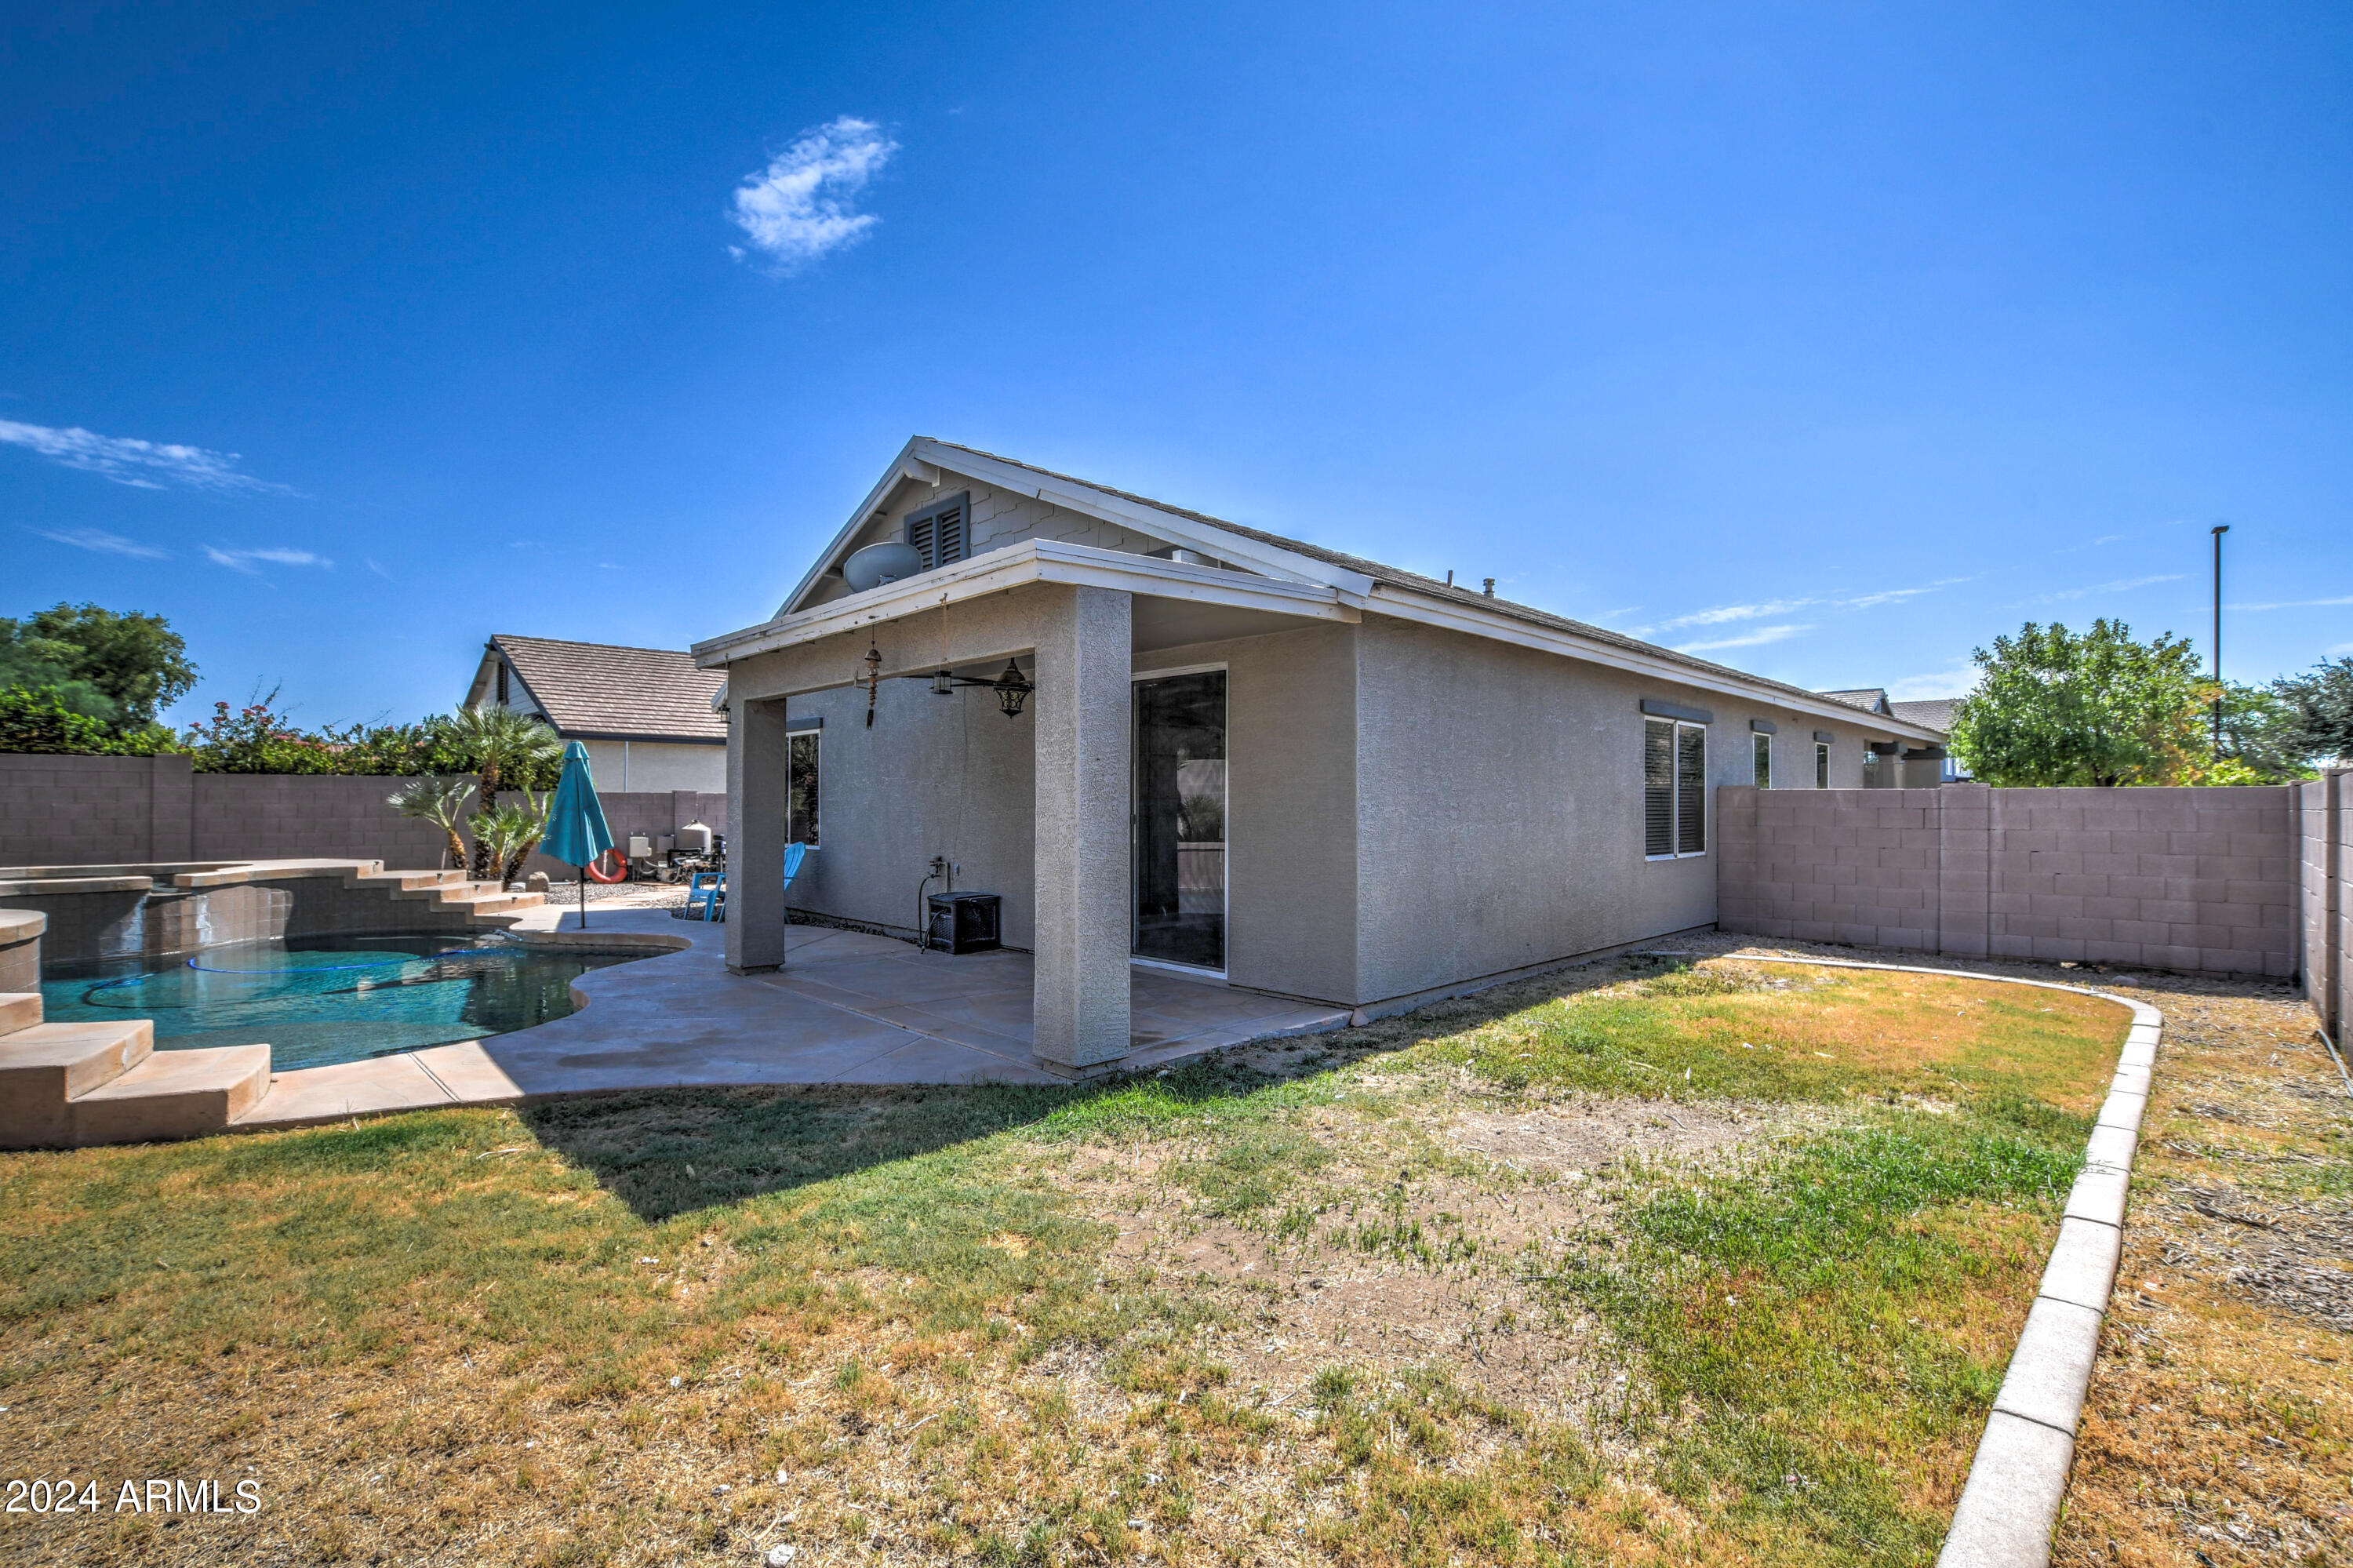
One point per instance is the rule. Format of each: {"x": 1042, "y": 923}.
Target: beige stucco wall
{"x": 947, "y": 776}
{"x": 643, "y": 766}
{"x": 1291, "y": 806}
{"x": 1500, "y": 805}
{"x": 1409, "y": 809}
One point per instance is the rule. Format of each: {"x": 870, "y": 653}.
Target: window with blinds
{"x": 1690, "y": 789}
{"x": 1658, "y": 787}
{"x": 941, "y": 532}
{"x": 1763, "y": 745}
{"x": 1674, "y": 788}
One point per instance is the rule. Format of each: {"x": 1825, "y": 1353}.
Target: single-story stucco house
{"x": 645, "y": 713}
{"x": 1258, "y": 759}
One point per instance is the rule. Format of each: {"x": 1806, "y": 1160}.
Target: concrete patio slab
{"x": 846, "y": 1008}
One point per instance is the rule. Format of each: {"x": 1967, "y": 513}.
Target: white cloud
{"x": 243, "y": 560}
{"x": 2294, "y": 603}
{"x": 2121, "y": 585}
{"x": 1954, "y": 682}
{"x": 799, "y": 208}
{"x": 142, "y": 465}
{"x": 1758, "y": 638}
{"x": 99, "y": 539}
{"x": 2338, "y": 648}
{"x": 1729, "y": 612}
{"x": 1724, "y": 614}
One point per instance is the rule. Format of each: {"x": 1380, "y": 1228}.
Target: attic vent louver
{"x": 941, "y": 532}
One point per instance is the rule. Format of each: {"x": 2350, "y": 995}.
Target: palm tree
{"x": 495, "y": 742}
{"x": 438, "y": 801}
{"x": 513, "y": 832}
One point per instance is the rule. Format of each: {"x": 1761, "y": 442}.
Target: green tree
{"x": 29, "y": 664}
{"x": 2322, "y": 701}
{"x": 2260, "y": 731}
{"x": 2056, "y": 708}
{"x": 438, "y": 801}
{"x": 136, "y": 662}
{"x": 506, "y": 749}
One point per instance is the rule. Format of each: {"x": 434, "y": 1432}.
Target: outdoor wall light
{"x": 1012, "y": 690}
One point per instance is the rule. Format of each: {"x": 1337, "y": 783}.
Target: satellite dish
{"x": 878, "y": 564}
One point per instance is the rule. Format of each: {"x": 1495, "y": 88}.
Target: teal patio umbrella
{"x": 577, "y": 833}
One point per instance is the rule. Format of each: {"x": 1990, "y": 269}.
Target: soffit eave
{"x": 1031, "y": 561}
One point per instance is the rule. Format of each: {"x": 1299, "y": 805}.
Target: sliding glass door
{"x": 1180, "y": 820}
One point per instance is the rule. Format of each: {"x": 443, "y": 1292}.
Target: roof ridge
{"x": 575, "y": 642}
{"x": 1401, "y": 577}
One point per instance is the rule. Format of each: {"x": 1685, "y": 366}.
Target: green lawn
{"x": 1634, "y": 1264}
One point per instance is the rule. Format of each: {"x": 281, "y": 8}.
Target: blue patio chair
{"x": 706, "y": 896}
{"x": 794, "y": 855}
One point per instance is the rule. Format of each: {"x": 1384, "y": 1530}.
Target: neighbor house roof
{"x": 595, "y": 691}
{"x": 1870, "y": 699}
{"x": 1936, "y": 712}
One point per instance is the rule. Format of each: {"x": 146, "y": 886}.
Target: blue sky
{"x": 1829, "y": 340}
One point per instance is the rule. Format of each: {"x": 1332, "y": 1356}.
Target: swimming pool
{"x": 331, "y": 998}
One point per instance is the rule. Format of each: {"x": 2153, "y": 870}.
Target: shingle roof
{"x": 1870, "y": 699}
{"x": 596, "y": 690}
{"x": 1398, "y": 577}
{"x": 1934, "y": 712}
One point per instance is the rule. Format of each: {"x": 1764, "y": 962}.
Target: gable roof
{"x": 1398, "y": 577}
{"x": 1870, "y": 699}
{"x": 596, "y": 691}
{"x": 925, "y": 459}
{"x": 1936, "y": 712}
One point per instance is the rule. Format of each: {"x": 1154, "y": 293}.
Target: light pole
{"x": 2220, "y": 529}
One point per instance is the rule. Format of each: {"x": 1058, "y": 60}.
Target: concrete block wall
{"x": 2201, "y": 880}
{"x": 116, "y": 810}
{"x": 2325, "y": 862}
{"x": 87, "y": 811}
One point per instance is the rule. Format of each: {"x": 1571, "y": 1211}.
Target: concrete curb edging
{"x": 2009, "y": 1505}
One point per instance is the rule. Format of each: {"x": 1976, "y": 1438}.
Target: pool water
{"x": 330, "y": 999}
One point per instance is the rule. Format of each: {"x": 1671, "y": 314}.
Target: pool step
{"x": 450, "y": 892}
{"x": 174, "y": 1094}
{"x": 44, "y": 1067}
{"x": 19, "y": 1009}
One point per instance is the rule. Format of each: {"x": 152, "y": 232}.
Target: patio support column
{"x": 759, "y": 789}
{"x": 1084, "y": 703}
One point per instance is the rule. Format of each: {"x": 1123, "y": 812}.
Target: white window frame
{"x": 1822, "y": 765}
{"x": 1195, "y": 971}
{"x": 1760, "y": 746}
{"x": 1674, "y": 795}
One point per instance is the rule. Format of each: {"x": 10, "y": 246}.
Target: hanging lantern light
{"x": 943, "y": 682}
{"x": 1012, "y": 691}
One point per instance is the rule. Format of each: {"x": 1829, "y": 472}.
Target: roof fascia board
{"x": 1205, "y": 538}
{"x": 480, "y": 686}
{"x": 1032, "y": 560}
{"x": 1476, "y": 622}
{"x": 906, "y": 465}
{"x": 640, "y": 736}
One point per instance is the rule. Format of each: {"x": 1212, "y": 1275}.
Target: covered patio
{"x": 1052, "y": 805}
{"x": 846, "y": 1008}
